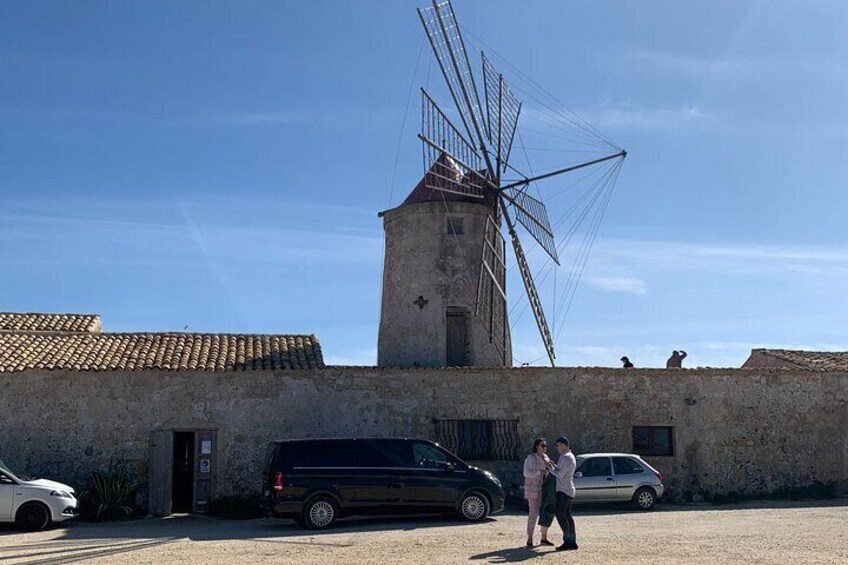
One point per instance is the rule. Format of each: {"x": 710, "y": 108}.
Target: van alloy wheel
{"x": 320, "y": 513}
{"x": 645, "y": 498}
{"x": 33, "y": 517}
{"x": 474, "y": 507}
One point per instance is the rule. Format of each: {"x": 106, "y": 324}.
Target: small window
{"x": 653, "y": 440}
{"x": 455, "y": 225}
{"x": 626, "y": 466}
{"x": 596, "y": 467}
{"x": 480, "y": 440}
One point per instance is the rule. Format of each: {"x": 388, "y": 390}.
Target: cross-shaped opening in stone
{"x": 420, "y": 302}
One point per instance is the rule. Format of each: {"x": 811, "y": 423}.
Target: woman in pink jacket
{"x": 536, "y": 466}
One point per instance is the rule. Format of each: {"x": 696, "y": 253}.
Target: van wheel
{"x": 32, "y": 517}
{"x": 645, "y": 498}
{"x": 320, "y": 513}
{"x": 474, "y": 507}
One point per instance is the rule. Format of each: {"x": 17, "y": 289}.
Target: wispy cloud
{"x": 286, "y": 117}
{"x": 650, "y": 118}
{"x": 628, "y": 285}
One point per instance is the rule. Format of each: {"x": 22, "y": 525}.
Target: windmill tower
{"x": 444, "y": 276}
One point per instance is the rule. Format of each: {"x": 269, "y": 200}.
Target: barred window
{"x": 479, "y": 440}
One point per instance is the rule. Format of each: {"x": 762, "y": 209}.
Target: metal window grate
{"x": 479, "y": 440}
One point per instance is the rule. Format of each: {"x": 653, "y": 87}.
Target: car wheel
{"x": 32, "y": 517}
{"x": 645, "y": 498}
{"x": 320, "y": 513}
{"x": 474, "y": 507}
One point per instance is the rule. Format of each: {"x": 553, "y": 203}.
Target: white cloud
{"x": 619, "y": 284}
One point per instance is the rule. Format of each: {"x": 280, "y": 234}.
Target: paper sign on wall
{"x": 206, "y": 447}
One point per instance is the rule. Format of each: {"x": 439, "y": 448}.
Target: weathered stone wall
{"x": 735, "y": 430}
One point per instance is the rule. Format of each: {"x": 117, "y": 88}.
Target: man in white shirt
{"x": 564, "y": 472}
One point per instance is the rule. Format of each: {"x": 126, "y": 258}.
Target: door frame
{"x": 161, "y": 469}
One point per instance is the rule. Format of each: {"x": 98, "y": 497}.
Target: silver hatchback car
{"x": 617, "y": 477}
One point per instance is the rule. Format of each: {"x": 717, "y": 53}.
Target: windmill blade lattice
{"x": 451, "y": 163}
{"x": 446, "y": 40}
{"x": 491, "y": 303}
{"x": 502, "y": 111}
{"x": 533, "y": 215}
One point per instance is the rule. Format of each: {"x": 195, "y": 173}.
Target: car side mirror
{"x": 578, "y": 474}
{"x": 448, "y": 466}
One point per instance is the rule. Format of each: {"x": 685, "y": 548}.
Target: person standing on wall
{"x": 564, "y": 472}
{"x": 676, "y": 360}
{"x": 536, "y": 466}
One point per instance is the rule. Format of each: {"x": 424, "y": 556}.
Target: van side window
{"x": 322, "y": 454}
{"x": 429, "y": 457}
{"x": 381, "y": 454}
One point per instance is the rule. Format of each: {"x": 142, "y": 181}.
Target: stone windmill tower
{"x": 444, "y": 276}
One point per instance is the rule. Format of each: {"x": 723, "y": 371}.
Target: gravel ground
{"x": 795, "y": 533}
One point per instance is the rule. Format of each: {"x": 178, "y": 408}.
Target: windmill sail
{"x": 469, "y": 160}
{"x": 446, "y": 40}
{"x": 533, "y": 296}
{"x": 533, "y": 215}
{"x": 491, "y": 293}
{"x": 502, "y": 110}
{"x": 451, "y": 162}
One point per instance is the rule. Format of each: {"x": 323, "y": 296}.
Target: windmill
{"x": 470, "y": 160}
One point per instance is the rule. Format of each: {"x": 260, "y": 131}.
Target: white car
{"x": 34, "y": 503}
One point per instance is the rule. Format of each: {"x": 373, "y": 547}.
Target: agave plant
{"x": 111, "y": 493}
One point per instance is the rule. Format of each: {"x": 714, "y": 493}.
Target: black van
{"x": 315, "y": 481}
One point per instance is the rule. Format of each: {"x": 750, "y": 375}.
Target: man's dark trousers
{"x": 565, "y": 519}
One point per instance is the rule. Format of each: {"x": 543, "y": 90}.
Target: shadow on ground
{"x": 77, "y": 542}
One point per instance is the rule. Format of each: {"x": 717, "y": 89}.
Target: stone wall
{"x": 749, "y": 431}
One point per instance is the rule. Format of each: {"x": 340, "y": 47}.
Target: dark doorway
{"x": 182, "y": 494}
{"x": 457, "y": 338}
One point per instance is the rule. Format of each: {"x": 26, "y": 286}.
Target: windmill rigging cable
{"x": 403, "y": 123}
{"x": 571, "y": 116}
{"x": 595, "y": 191}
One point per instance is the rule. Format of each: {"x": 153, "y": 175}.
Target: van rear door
{"x": 268, "y": 470}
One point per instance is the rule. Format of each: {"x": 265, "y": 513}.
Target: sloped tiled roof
{"x": 36, "y": 322}
{"x": 157, "y": 351}
{"x": 810, "y": 360}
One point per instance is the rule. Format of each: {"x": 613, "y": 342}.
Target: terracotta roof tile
{"x": 164, "y": 351}
{"x": 35, "y": 322}
{"x": 810, "y": 360}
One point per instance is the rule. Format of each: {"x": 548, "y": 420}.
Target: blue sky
{"x": 220, "y": 166}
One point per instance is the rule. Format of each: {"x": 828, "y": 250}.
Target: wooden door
{"x": 206, "y": 445}
{"x": 160, "y": 472}
{"x": 457, "y": 339}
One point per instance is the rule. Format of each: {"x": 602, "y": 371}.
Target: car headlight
{"x": 61, "y": 494}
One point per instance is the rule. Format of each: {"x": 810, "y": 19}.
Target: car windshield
{"x": 21, "y": 476}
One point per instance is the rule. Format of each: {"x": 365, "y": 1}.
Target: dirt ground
{"x": 795, "y": 533}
